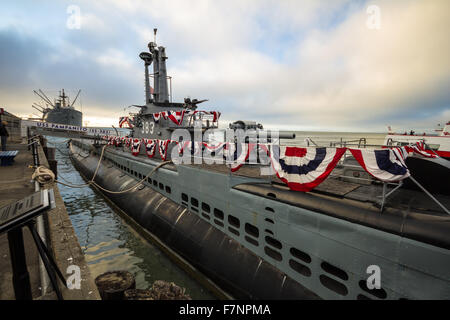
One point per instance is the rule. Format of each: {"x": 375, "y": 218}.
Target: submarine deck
{"x": 333, "y": 186}
{"x": 407, "y": 213}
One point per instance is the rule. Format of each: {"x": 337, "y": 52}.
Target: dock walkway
{"x": 15, "y": 184}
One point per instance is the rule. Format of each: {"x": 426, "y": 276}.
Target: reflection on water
{"x": 108, "y": 242}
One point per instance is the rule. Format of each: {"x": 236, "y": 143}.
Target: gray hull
{"x": 65, "y": 116}
{"x": 263, "y": 243}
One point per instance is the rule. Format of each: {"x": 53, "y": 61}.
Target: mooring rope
{"x": 137, "y": 184}
{"x": 45, "y": 176}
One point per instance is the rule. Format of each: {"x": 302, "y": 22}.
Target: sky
{"x": 332, "y": 65}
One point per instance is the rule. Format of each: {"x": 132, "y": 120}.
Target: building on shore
{"x": 12, "y": 123}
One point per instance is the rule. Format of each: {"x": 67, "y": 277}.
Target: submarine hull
{"x": 261, "y": 241}
{"x": 224, "y": 260}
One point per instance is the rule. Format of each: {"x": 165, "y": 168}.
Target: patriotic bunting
{"x": 182, "y": 145}
{"x": 156, "y": 117}
{"x": 128, "y": 142}
{"x": 386, "y": 165}
{"x": 176, "y": 116}
{"x": 136, "y": 147}
{"x": 150, "y": 147}
{"x": 111, "y": 141}
{"x": 215, "y": 147}
{"x": 195, "y": 147}
{"x": 419, "y": 148}
{"x": 125, "y": 120}
{"x": 245, "y": 150}
{"x": 303, "y": 169}
{"x": 163, "y": 146}
{"x": 216, "y": 115}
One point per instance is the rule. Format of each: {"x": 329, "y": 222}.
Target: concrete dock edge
{"x": 66, "y": 248}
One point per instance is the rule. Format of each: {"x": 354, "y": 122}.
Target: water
{"x": 108, "y": 243}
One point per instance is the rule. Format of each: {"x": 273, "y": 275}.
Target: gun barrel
{"x": 276, "y": 134}
{"x": 287, "y": 135}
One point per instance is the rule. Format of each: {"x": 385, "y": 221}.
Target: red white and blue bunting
{"x": 128, "y": 142}
{"x": 156, "y": 117}
{"x": 125, "y": 120}
{"x": 176, "y": 116}
{"x": 303, "y": 169}
{"x": 163, "y": 146}
{"x": 136, "y": 147}
{"x": 387, "y": 165}
{"x": 239, "y": 154}
{"x": 419, "y": 148}
{"x": 150, "y": 147}
{"x": 193, "y": 147}
{"x": 217, "y": 148}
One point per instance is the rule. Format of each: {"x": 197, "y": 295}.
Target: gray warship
{"x": 253, "y": 236}
{"x": 60, "y": 110}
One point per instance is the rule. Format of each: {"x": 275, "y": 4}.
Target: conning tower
{"x": 157, "y": 56}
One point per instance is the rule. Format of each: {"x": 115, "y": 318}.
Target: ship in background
{"x": 433, "y": 168}
{"x": 60, "y": 110}
{"x": 438, "y": 143}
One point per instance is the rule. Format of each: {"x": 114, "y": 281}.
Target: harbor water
{"x": 108, "y": 242}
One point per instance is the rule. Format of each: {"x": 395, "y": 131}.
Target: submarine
{"x": 248, "y": 230}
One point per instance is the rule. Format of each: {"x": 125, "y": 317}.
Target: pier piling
{"x": 113, "y": 284}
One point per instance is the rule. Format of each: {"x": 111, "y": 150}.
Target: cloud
{"x": 306, "y": 64}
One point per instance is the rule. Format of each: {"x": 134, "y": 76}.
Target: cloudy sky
{"x": 305, "y": 65}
